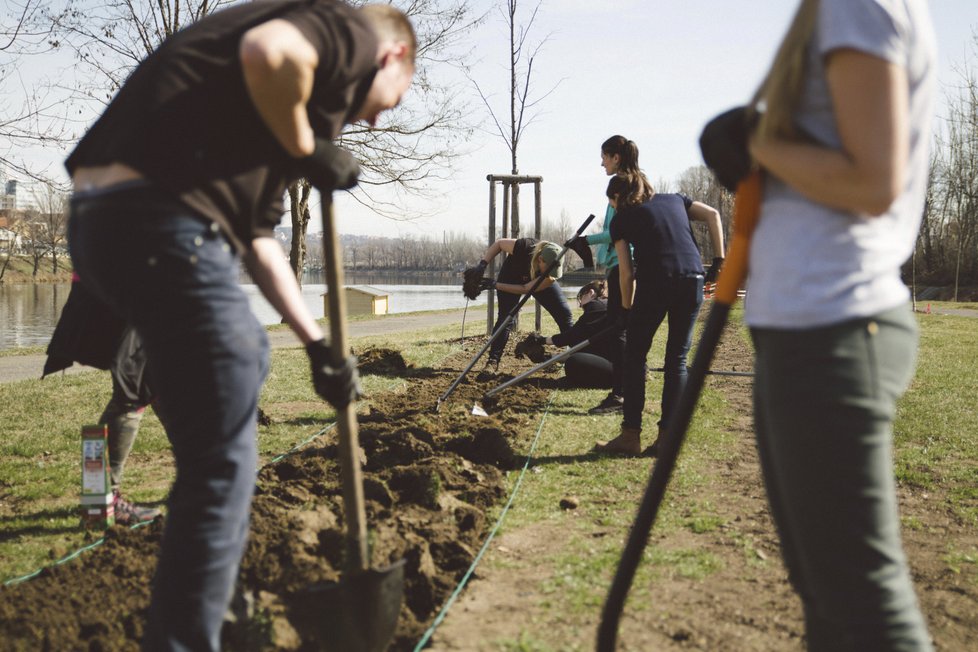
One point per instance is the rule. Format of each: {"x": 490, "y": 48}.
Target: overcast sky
{"x": 652, "y": 70}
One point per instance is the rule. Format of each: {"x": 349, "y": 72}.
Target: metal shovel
{"x": 359, "y": 614}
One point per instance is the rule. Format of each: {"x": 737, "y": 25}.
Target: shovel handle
{"x": 747, "y": 208}
{"x": 346, "y": 418}
{"x": 512, "y": 314}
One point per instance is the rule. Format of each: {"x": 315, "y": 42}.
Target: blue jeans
{"x": 679, "y": 298}
{"x": 824, "y": 402}
{"x": 174, "y": 278}
{"x": 553, "y": 301}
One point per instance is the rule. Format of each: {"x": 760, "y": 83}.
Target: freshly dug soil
{"x": 429, "y": 479}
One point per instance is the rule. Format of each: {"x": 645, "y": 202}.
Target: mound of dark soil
{"x": 429, "y": 479}
{"x": 380, "y": 362}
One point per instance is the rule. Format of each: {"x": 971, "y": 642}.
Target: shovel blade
{"x": 359, "y": 614}
{"x": 479, "y": 411}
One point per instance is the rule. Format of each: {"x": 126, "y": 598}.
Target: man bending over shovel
{"x": 183, "y": 176}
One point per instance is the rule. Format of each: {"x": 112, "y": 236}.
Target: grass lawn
{"x": 936, "y": 452}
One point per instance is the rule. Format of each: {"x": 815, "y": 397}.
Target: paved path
{"x": 23, "y": 367}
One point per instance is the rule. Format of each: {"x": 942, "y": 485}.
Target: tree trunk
{"x": 299, "y": 209}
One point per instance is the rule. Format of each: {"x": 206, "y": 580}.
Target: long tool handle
{"x": 346, "y": 417}
{"x": 563, "y": 355}
{"x": 746, "y": 211}
{"x": 512, "y": 313}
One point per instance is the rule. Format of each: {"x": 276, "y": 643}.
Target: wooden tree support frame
{"x": 511, "y": 227}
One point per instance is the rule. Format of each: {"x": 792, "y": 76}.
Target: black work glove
{"x": 329, "y": 167}
{"x": 532, "y": 347}
{"x": 472, "y": 280}
{"x": 578, "y": 244}
{"x": 487, "y": 284}
{"x": 338, "y": 385}
{"x": 714, "y": 271}
{"x": 724, "y": 145}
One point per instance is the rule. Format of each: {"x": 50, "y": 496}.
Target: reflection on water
{"x": 29, "y": 312}
{"x": 400, "y": 298}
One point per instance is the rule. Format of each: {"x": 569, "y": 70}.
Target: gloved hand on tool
{"x": 471, "y": 285}
{"x": 714, "y": 271}
{"x": 724, "y": 145}
{"x": 532, "y": 347}
{"x": 578, "y": 244}
{"x": 329, "y": 167}
{"x": 338, "y": 385}
{"x": 487, "y": 284}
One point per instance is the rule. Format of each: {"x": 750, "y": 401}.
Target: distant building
{"x": 10, "y": 241}
{"x": 361, "y": 300}
{"x": 18, "y": 196}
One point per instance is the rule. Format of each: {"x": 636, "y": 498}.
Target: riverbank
{"x": 21, "y": 270}
{"x": 25, "y": 367}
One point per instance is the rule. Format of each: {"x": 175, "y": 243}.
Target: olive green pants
{"x": 824, "y": 403}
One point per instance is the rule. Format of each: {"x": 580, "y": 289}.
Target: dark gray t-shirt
{"x": 185, "y": 121}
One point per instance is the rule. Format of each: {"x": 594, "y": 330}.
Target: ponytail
{"x": 627, "y": 152}
{"x": 781, "y": 89}
{"x": 629, "y": 189}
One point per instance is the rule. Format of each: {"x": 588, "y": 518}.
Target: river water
{"x": 29, "y": 312}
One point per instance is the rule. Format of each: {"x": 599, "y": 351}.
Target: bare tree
{"x": 416, "y": 143}
{"x": 9, "y": 243}
{"x": 522, "y": 107}
{"x": 299, "y": 210}
{"x": 34, "y": 239}
{"x": 949, "y": 231}
{"x": 701, "y": 185}
{"x": 521, "y": 58}
{"x": 32, "y": 113}
{"x": 52, "y": 221}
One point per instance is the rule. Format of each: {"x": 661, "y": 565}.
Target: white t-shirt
{"x": 811, "y": 265}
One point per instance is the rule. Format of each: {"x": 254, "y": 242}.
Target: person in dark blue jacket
{"x": 664, "y": 280}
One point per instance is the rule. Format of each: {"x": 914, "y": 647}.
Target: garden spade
{"x": 358, "y": 614}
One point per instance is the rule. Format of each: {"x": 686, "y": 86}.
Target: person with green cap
{"x": 527, "y": 259}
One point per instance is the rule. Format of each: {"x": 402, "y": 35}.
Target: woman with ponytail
{"x": 843, "y": 141}
{"x": 665, "y": 281}
{"x": 619, "y": 157}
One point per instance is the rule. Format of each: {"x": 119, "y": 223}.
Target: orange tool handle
{"x": 747, "y": 209}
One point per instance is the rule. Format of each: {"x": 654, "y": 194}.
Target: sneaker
{"x": 611, "y": 403}
{"x": 127, "y": 513}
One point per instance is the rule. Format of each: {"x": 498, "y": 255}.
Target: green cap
{"x": 549, "y": 253}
